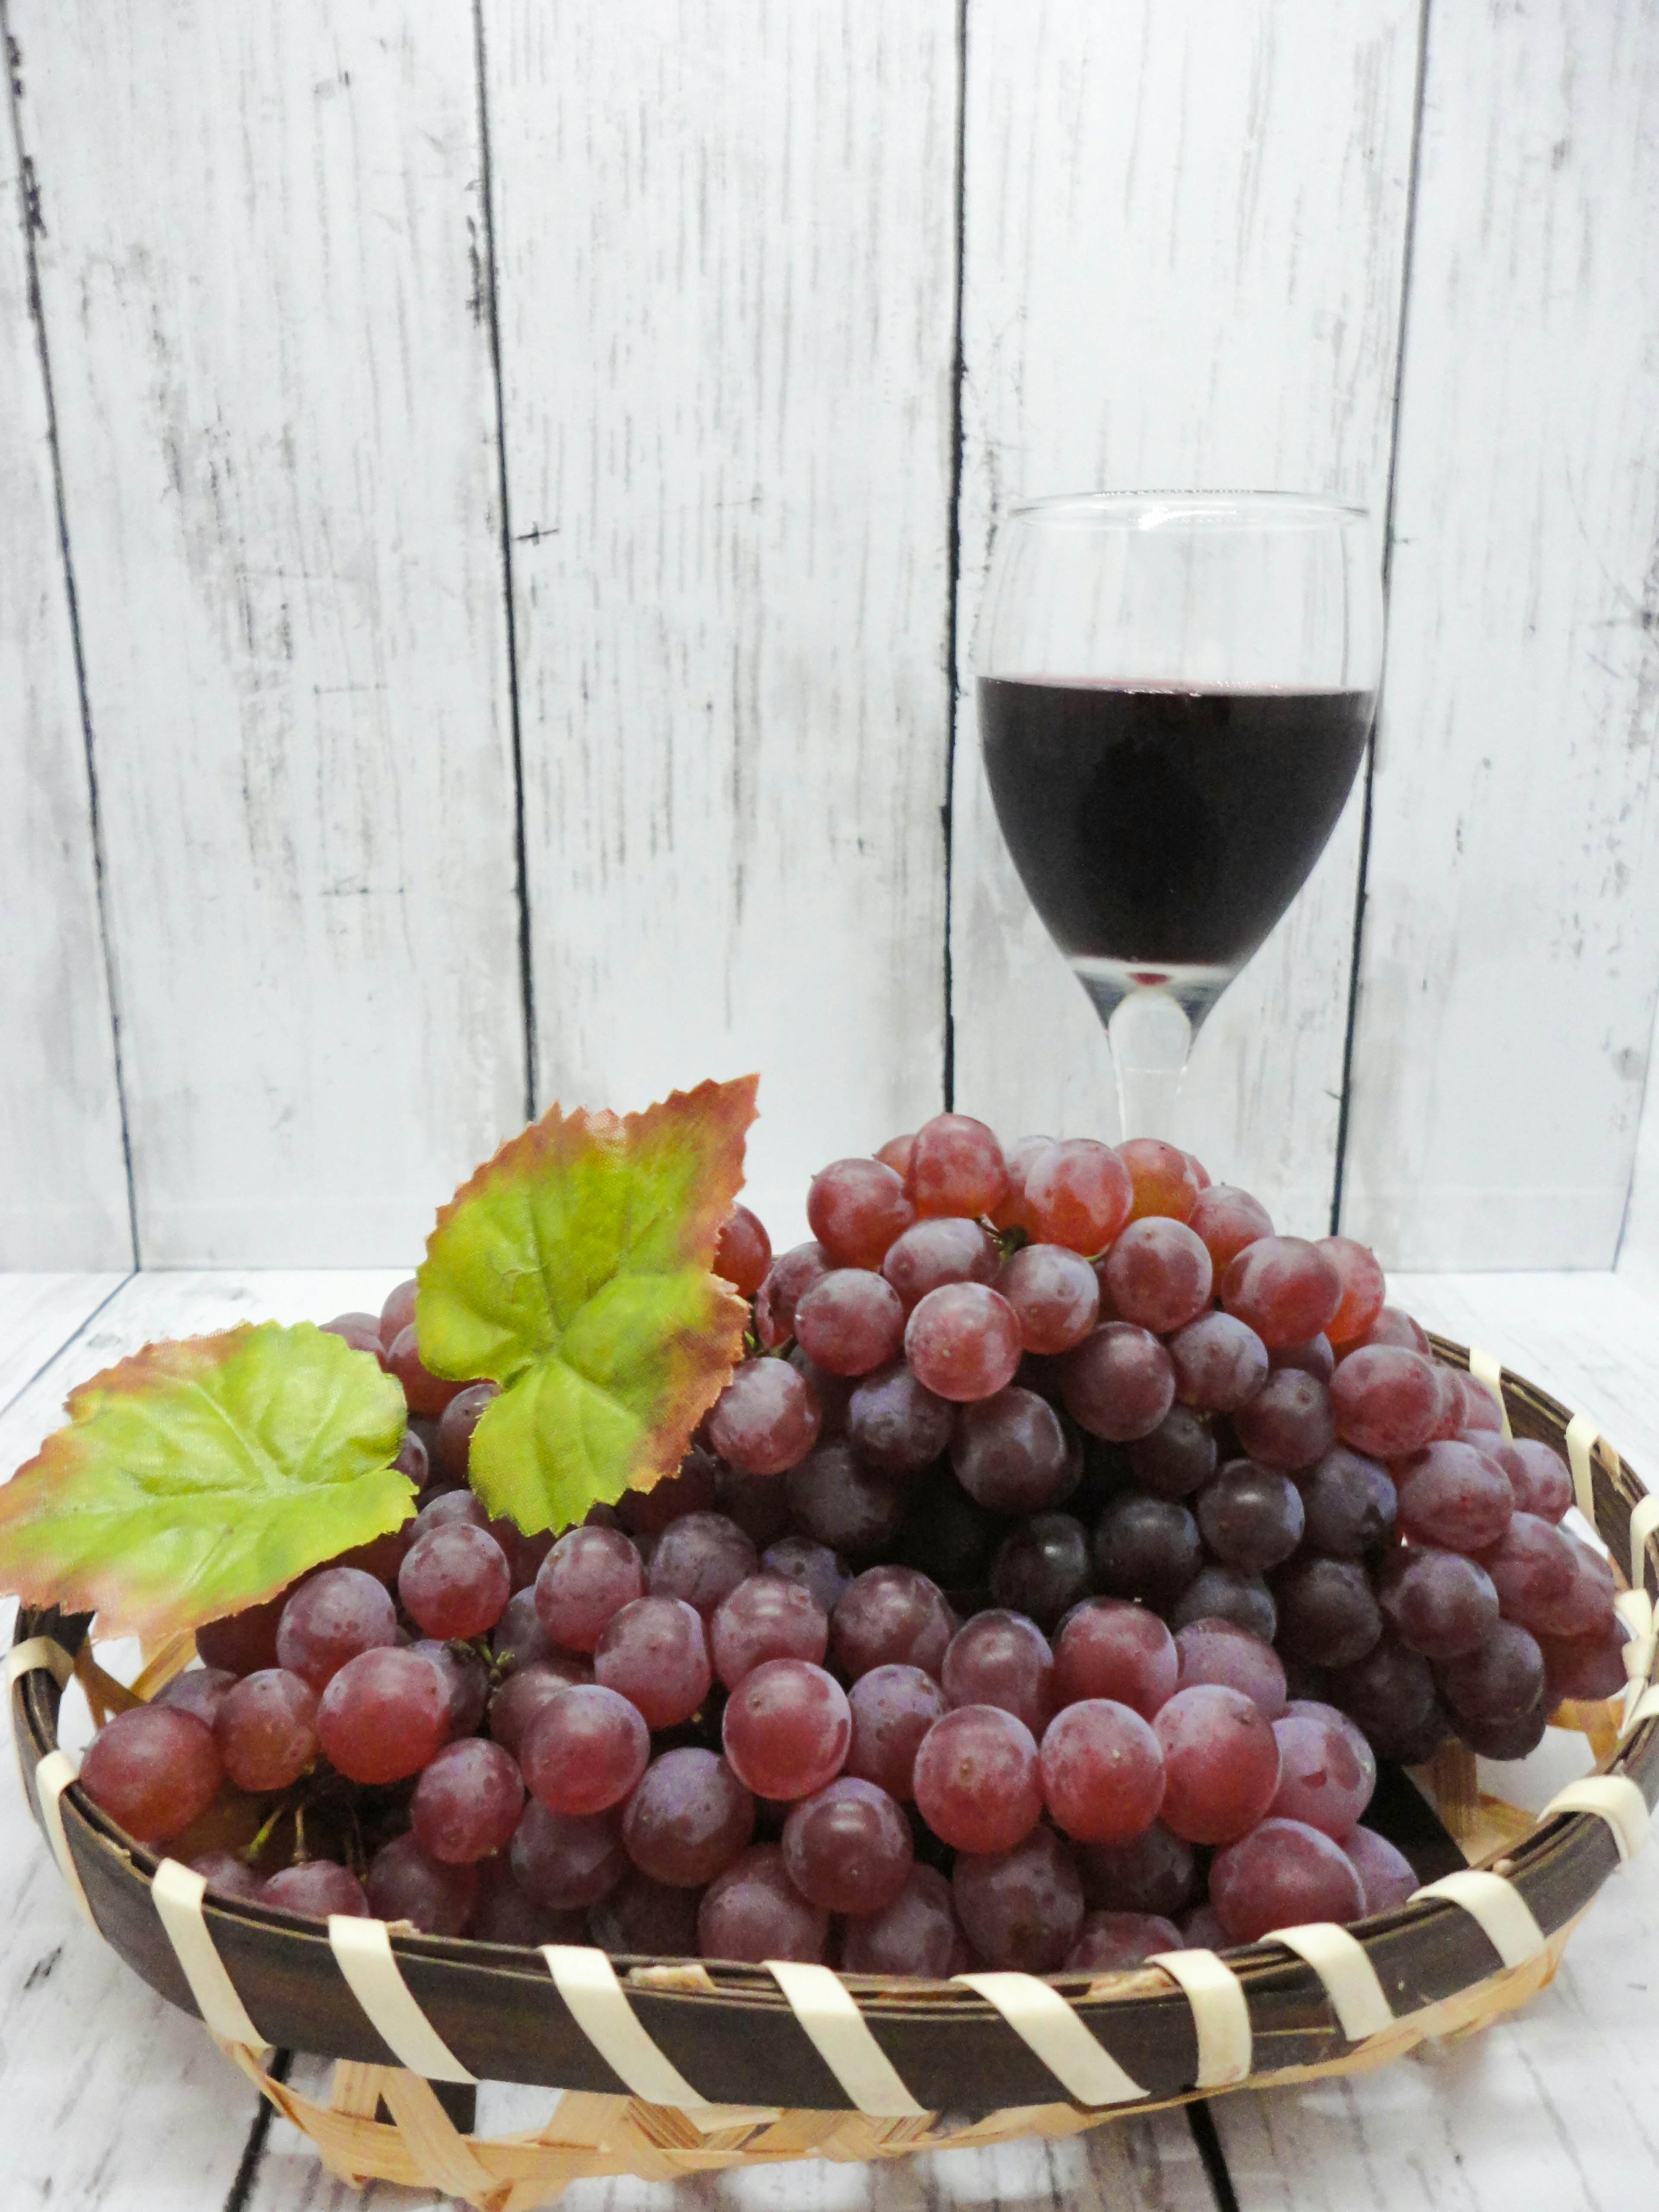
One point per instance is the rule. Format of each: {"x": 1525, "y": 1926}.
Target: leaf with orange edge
{"x": 200, "y": 1477}
{"x": 576, "y": 1269}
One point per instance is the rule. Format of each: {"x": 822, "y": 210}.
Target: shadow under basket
{"x": 672, "y": 2068}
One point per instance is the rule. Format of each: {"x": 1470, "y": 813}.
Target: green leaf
{"x": 575, "y": 1270}
{"x": 200, "y": 1477}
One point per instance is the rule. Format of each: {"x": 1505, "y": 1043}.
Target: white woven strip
{"x": 1643, "y": 1524}
{"x": 362, "y": 1949}
{"x": 1613, "y": 1798}
{"x": 1485, "y": 1368}
{"x": 178, "y": 1891}
{"x": 1221, "y": 2016}
{"x": 822, "y": 2003}
{"x": 1646, "y": 1708}
{"x": 1504, "y": 1916}
{"x": 587, "y": 1982}
{"x": 1046, "y": 2024}
{"x": 51, "y": 1778}
{"x": 1641, "y": 1654}
{"x": 1357, "y": 1996}
{"x": 34, "y": 1653}
{"x": 1583, "y": 1437}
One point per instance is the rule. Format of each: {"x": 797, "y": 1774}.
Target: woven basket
{"x": 676, "y": 2069}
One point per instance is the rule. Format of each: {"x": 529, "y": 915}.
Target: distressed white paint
{"x": 1638, "y": 1247}
{"x": 274, "y": 401}
{"x": 1183, "y": 236}
{"x": 1512, "y": 946}
{"x": 63, "y": 1179}
{"x": 727, "y": 306}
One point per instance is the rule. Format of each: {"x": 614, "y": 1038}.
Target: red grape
{"x": 1201, "y": 1930}
{"x": 1155, "y": 1872}
{"x": 1146, "y": 1547}
{"x": 892, "y": 1709}
{"x": 1540, "y": 1479}
{"x": 1385, "y": 1874}
{"x": 154, "y": 1769}
{"x": 398, "y": 1313}
{"x": 956, "y": 1167}
{"x": 522, "y": 1696}
{"x": 856, "y": 1208}
{"x": 465, "y": 1680}
{"x": 689, "y": 1818}
{"x": 1078, "y": 1194}
{"x": 850, "y": 1322}
{"x": 934, "y": 1253}
{"x": 833, "y": 1391}
{"x": 506, "y": 1914}
{"x": 1227, "y": 1219}
{"x": 1178, "y": 1455}
{"x": 840, "y": 1503}
{"x": 655, "y": 1654}
{"x": 891, "y": 1617}
{"x": 585, "y": 1581}
{"x": 1107, "y": 1648}
{"x": 1322, "y": 1779}
{"x": 1363, "y": 1288}
{"x": 963, "y": 1341}
{"x": 847, "y": 1848}
{"x": 224, "y": 1871}
{"x": 315, "y": 1888}
{"x": 1283, "y": 1874}
{"x": 1041, "y": 1568}
{"x": 448, "y": 1509}
{"x": 1009, "y": 1452}
{"x": 767, "y": 1419}
{"x": 1055, "y": 1296}
{"x": 999, "y": 1658}
{"x": 757, "y": 1502}
{"x": 1391, "y": 1327}
{"x": 1164, "y": 1179}
{"x": 198, "y": 1690}
{"x": 1585, "y": 1667}
{"x": 786, "y": 1729}
{"x": 1119, "y": 1942}
{"x": 266, "y": 1729}
{"x": 791, "y": 1275}
{"x": 767, "y": 1617}
{"x": 584, "y": 1750}
{"x": 1327, "y": 1612}
{"x": 427, "y": 1392}
{"x": 896, "y": 1423}
{"x": 1585, "y": 1609}
{"x": 1533, "y": 1570}
{"x": 1314, "y": 1358}
{"x": 1386, "y": 1401}
{"x": 1502, "y": 1680}
{"x": 1103, "y": 1771}
{"x": 646, "y": 1919}
{"x": 1220, "y": 1763}
{"x": 1453, "y": 1495}
{"x": 814, "y": 1566}
{"x": 752, "y": 1911}
{"x": 455, "y": 1582}
{"x": 977, "y": 1782}
{"x": 243, "y": 1643}
{"x": 360, "y": 1331}
{"x": 895, "y": 1154}
{"x": 1438, "y": 1602}
{"x": 453, "y": 1442}
{"x": 916, "y": 1935}
{"x": 743, "y": 1251}
{"x": 1220, "y": 1652}
{"x": 1017, "y": 1159}
{"x": 566, "y": 1859}
{"x": 406, "y": 1883}
{"x": 330, "y": 1618}
{"x": 1119, "y": 1382}
{"x": 1159, "y": 1273}
{"x": 1250, "y": 1517}
{"x": 1285, "y": 1288}
{"x": 467, "y": 1803}
{"x": 385, "y": 1715}
{"x": 701, "y": 1557}
{"x": 1512, "y": 1737}
{"x": 1289, "y": 1422}
{"x": 1219, "y": 1361}
{"x": 1481, "y": 1410}
{"x": 1348, "y": 1502}
{"x": 1021, "y": 1907}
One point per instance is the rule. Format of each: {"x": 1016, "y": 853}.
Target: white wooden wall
{"x": 493, "y": 504}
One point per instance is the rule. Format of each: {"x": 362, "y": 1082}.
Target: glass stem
{"x": 1150, "y": 1037}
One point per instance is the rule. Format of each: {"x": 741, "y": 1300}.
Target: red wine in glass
{"x": 1164, "y": 795}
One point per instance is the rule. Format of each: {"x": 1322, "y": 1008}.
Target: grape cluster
{"x": 1041, "y": 1592}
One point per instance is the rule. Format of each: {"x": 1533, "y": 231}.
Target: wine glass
{"x": 1174, "y": 691}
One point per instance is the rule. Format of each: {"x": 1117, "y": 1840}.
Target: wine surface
{"x": 1166, "y": 827}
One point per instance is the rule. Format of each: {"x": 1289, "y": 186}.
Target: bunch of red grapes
{"x": 1041, "y": 1592}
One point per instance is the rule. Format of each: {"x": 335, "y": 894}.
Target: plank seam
{"x": 953, "y": 545}
{"x": 1201, "y": 2123}
{"x": 1413, "y": 173}
{"x": 74, "y": 1337}
{"x": 488, "y": 297}
{"x": 253, "y": 2150}
{"x": 28, "y": 210}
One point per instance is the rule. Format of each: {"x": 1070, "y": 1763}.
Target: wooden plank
{"x": 727, "y": 321}
{"x": 1509, "y": 962}
{"x": 40, "y": 1314}
{"x": 1639, "y": 1246}
{"x": 63, "y": 1176}
{"x": 260, "y": 271}
{"x": 1183, "y": 237}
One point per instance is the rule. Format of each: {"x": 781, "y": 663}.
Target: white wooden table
{"x": 110, "y": 2098}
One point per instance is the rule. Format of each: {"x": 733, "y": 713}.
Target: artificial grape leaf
{"x": 575, "y": 1269}
{"x": 200, "y": 1477}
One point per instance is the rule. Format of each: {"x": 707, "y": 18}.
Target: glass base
{"x": 1151, "y": 1014}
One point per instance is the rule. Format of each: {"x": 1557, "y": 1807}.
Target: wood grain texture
{"x": 62, "y": 1177}
{"x": 1639, "y": 1246}
{"x": 726, "y": 309}
{"x": 1183, "y": 237}
{"x": 1511, "y": 941}
{"x": 259, "y": 270}
{"x": 38, "y": 1315}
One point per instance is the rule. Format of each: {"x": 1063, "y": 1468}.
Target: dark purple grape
{"x": 1009, "y": 1452}
{"x": 1221, "y": 1592}
{"x": 645, "y": 1919}
{"x": 916, "y": 1935}
{"x": 1177, "y": 1457}
{"x": 405, "y": 1884}
{"x": 1512, "y": 1737}
{"x": 896, "y": 1423}
{"x": 1251, "y": 1516}
{"x": 1022, "y": 1908}
{"x": 1119, "y": 1382}
{"x": 1041, "y": 1568}
{"x": 1289, "y": 1422}
{"x": 752, "y": 1911}
{"x": 891, "y": 1617}
{"x": 892, "y": 1709}
{"x": 1438, "y": 1602}
{"x": 839, "y": 1502}
{"x": 1500, "y": 1681}
{"x": 1390, "y": 1693}
{"x": 1327, "y": 1612}
{"x": 1219, "y": 1363}
{"x": 1349, "y": 1504}
{"x": 1454, "y": 1495}
{"x": 1146, "y": 1547}
{"x": 944, "y": 1534}
{"x": 701, "y": 1557}
{"x": 814, "y": 1566}
{"x": 1155, "y": 1872}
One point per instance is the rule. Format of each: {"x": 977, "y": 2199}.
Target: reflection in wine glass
{"x": 1174, "y": 691}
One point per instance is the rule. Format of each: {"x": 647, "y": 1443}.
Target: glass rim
{"x": 1146, "y": 510}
